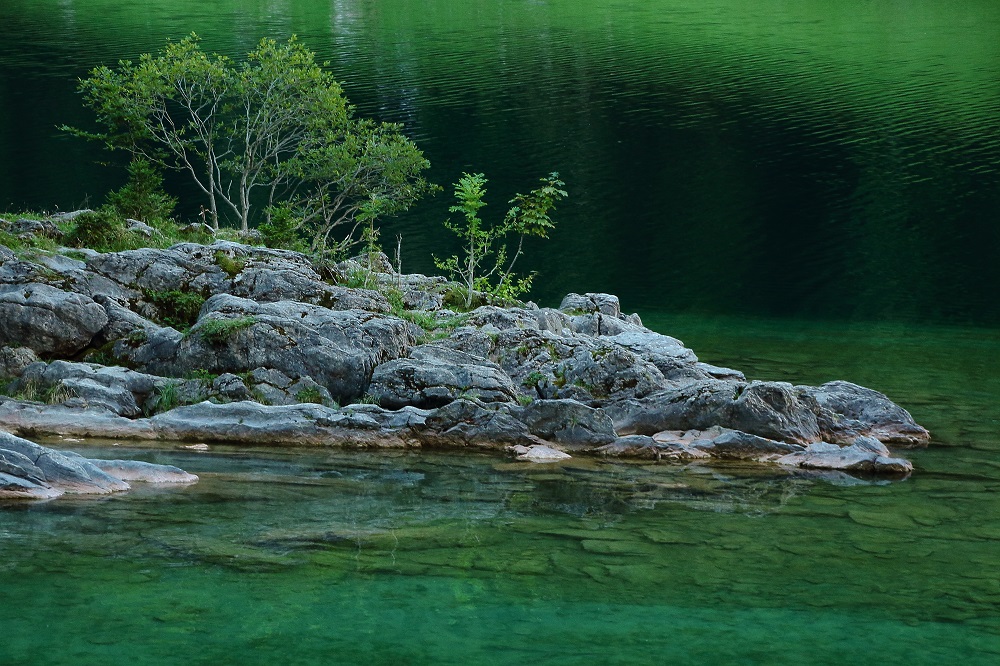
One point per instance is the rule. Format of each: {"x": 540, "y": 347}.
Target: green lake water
{"x": 326, "y": 556}
{"x": 802, "y": 190}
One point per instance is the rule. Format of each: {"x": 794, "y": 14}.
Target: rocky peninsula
{"x": 231, "y": 342}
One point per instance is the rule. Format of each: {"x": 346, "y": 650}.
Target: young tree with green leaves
{"x": 486, "y": 265}
{"x": 275, "y": 130}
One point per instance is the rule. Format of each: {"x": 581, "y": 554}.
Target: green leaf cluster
{"x": 271, "y": 133}
{"x": 487, "y": 264}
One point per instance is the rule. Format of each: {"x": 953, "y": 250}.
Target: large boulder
{"x": 187, "y": 267}
{"x": 866, "y": 454}
{"x": 337, "y": 349}
{"x": 846, "y": 411}
{"x": 30, "y": 471}
{"x": 468, "y": 423}
{"x": 767, "y": 409}
{"x": 13, "y": 361}
{"x": 48, "y": 320}
{"x": 568, "y": 422}
{"x": 433, "y": 376}
{"x": 252, "y": 423}
{"x": 548, "y": 365}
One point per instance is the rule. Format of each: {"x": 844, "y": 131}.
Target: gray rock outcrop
{"x": 247, "y": 345}
{"x": 30, "y": 471}
{"x": 432, "y": 376}
{"x": 50, "y": 321}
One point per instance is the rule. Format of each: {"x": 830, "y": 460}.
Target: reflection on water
{"x": 832, "y": 160}
{"x": 441, "y": 559}
{"x": 445, "y": 558}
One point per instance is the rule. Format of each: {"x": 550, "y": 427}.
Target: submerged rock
{"x": 31, "y": 471}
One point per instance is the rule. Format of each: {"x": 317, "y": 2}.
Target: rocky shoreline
{"x": 234, "y": 343}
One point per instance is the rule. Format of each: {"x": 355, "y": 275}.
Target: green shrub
{"x": 204, "y": 376}
{"x": 232, "y": 266}
{"x": 102, "y": 230}
{"x": 167, "y": 397}
{"x": 142, "y": 197}
{"x": 217, "y": 331}
{"x": 311, "y": 394}
{"x": 533, "y": 379}
{"x": 178, "y": 309}
{"x": 281, "y": 230}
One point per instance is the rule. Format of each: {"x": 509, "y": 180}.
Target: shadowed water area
{"x": 803, "y": 190}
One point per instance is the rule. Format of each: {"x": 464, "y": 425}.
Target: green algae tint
{"x": 305, "y": 556}
{"x": 319, "y": 556}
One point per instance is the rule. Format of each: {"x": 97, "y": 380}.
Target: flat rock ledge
{"x": 285, "y": 352}
{"x": 31, "y": 471}
{"x": 469, "y": 424}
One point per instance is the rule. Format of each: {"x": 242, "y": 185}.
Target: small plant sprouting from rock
{"x": 217, "y": 331}
{"x": 311, "y": 394}
{"x": 178, "y": 309}
{"x": 231, "y": 266}
{"x": 533, "y": 380}
{"x": 204, "y": 376}
{"x": 167, "y": 397}
{"x": 483, "y": 246}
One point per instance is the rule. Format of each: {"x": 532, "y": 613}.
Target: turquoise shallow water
{"x": 327, "y": 556}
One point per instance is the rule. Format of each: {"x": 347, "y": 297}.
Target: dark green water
{"x": 803, "y": 190}
{"x": 305, "y": 556}
{"x": 798, "y": 159}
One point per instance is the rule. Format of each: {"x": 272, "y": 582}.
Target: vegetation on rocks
{"x": 217, "y": 331}
{"x": 487, "y": 265}
{"x": 178, "y": 308}
{"x": 274, "y": 133}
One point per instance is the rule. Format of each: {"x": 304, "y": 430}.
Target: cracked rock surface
{"x": 235, "y": 343}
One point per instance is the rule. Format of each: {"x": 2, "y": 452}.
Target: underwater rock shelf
{"x": 248, "y": 345}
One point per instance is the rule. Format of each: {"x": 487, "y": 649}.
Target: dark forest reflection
{"x": 801, "y": 160}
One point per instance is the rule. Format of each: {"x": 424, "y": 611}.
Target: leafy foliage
{"x": 231, "y": 266}
{"x": 217, "y": 331}
{"x": 178, "y": 309}
{"x": 487, "y": 266}
{"x": 275, "y": 128}
{"x": 142, "y": 197}
{"x": 102, "y": 230}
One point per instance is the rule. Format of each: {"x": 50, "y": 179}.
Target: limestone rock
{"x": 569, "y": 423}
{"x": 13, "y": 361}
{"x": 606, "y": 304}
{"x": 846, "y": 411}
{"x": 44, "y": 228}
{"x": 337, "y": 349}
{"x": 737, "y": 445}
{"x": 467, "y": 423}
{"x": 864, "y": 455}
{"x": 144, "y": 472}
{"x": 69, "y": 215}
{"x": 539, "y": 453}
{"x": 30, "y": 471}
{"x": 766, "y": 409}
{"x": 48, "y": 320}
{"x": 139, "y": 227}
{"x": 434, "y": 375}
